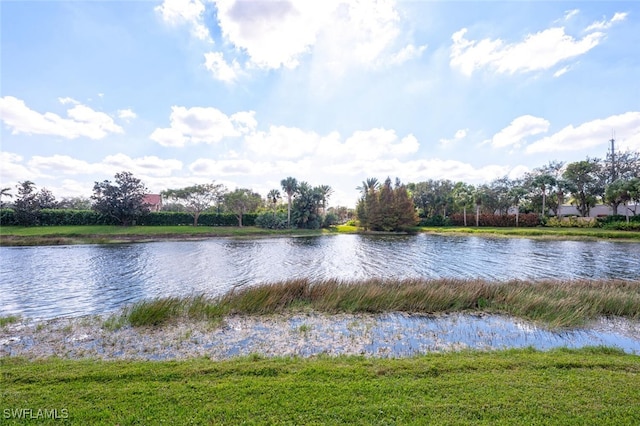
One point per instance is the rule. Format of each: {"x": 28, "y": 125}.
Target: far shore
{"x": 68, "y": 235}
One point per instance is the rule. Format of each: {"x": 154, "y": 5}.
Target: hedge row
{"x": 524, "y": 220}
{"x": 60, "y": 217}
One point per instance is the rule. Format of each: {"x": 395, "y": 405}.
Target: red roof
{"x": 153, "y": 199}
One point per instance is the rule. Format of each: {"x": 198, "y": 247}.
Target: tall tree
{"x": 325, "y": 192}
{"x": 586, "y": 183}
{"x": 386, "y": 209}
{"x": 368, "y": 184}
{"x": 545, "y": 182}
{"x": 196, "y": 198}
{"x": 306, "y": 207}
{"x": 618, "y": 193}
{"x": 46, "y": 199}
{"x": 479, "y": 197}
{"x": 26, "y": 207}
{"x": 4, "y": 192}
{"x": 272, "y": 197}
{"x": 463, "y": 196}
{"x": 289, "y": 186}
{"x": 242, "y": 201}
{"x": 516, "y": 194}
{"x": 123, "y": 201}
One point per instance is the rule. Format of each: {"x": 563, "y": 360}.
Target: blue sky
{"x": 247, "y": 93}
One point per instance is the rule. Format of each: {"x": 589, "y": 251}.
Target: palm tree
{"x": 478, "y": 196}
{"x": 273, "y": 196}
{"x": 4, "y": 192}
{"x": 544, "y": 182}
{"x": 368, "y": 185}
{"x": 463, "y": 195}
{"x": 516, "y": 194}
{"x": 289, "y": 186}
{"x": 325, "y": 192}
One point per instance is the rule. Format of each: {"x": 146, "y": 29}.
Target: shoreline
{"x": 127, "y": 236}
{"x": 389, "y": 335}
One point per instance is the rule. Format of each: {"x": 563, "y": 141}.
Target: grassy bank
{"x": 554, "y": 303}
{"x": 587, "y": 386}
{"x": 55, "y": 235}
{"x": 539, "y": 232}
{"x": 58, "y": 235}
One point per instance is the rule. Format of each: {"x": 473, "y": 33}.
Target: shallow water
{"x": 66, "y": 281}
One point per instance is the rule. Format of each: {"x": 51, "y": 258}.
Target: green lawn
{"x": 516, "y": 387}
{"x": 538, "y": 232}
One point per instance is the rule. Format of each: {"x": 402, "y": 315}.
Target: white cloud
{"x": 459, "y": 135}
{"x": 207, "y": 167}
{"x": 68, "y": 100}
{"x": 221, "y": 70}
{"x": 127, "y": 114}
{"x": 407, "y": 53}
{"x": 82, "y": 121}
{"x": 189, "y": 12}
{"x": 148, "y": 165}
{"x": 570, "y": 14}
{"x": 540, "y": 51}
{"x": 61, "y": 164}
{"x": 519, "y": 129}
{"x": 561, "y": 71}
{"x": 202, "y": 125}
{"x": 591, "y": 134}
{"x": 604, "y": 24}
{"x": 283, "y": 142}
{"x": 338, "y": 33}
{"x": 12, "y": 169}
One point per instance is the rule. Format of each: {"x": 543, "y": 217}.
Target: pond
{"x": 66, "y": 281}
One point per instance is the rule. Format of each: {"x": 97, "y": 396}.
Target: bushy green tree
{"x": 26, "y": 206}
{"x": 123, "y": 201}
{"x": 584, "y": 178}
{"x": 387, "y": 208}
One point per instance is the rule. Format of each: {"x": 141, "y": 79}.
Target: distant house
{"x": 154, "y": 201}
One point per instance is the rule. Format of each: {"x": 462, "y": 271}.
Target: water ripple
{"x": 47, "y": 282}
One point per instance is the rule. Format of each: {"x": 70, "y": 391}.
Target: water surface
{"x": 64, "y": 281}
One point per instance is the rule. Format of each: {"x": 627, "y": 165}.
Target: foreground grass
{"x": 587, "y": 386}
{"x": 554, "y": 303}
{"x": 539, "y": 232}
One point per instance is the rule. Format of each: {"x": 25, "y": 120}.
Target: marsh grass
{"x": 10, "y": 319}
{"x": 555, "y": 304}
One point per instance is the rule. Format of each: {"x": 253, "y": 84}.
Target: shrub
{"x": 623, "y": 226}
{"x": 436, "y": 220}
{"x": 572, "y": 222}
{"x": 7, "y": 217}
{"x": 271, "y": 220}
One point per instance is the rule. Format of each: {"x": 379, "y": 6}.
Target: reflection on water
{"x": 47, "y": 282}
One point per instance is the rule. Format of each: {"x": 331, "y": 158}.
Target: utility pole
{"x": 613, "y": 157}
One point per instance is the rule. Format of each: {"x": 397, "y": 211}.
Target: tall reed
{"x": 555, "y": 303}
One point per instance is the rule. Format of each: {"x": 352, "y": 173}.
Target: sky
{"x": 248, "y": 92}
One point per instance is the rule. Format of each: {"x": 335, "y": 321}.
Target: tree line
{"x": 123, "y": 202}
{"x": 614, "y": 181}
{"x": 383, "y": 206}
